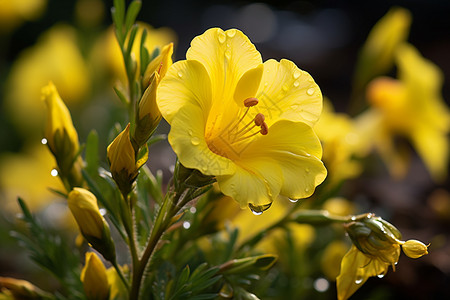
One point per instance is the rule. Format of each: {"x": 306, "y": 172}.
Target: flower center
{"x": 234, "y": 137}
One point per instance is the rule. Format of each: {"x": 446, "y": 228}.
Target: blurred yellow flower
{"x": 412, "y": 107}
{"x": 94, "y": 278}
{"x": 118, "y": 289}
{"x": 331, "y": 258}
{"x": 339, "y": 206}
{"x": 242, "y": 121}
{"x": 56, "y": 57}
{"x": 377, "y": 54}
{"x": 15, "y": 12}
{"x": 342, "y": 143}
{"x": 11, "y": 288}
{"x": 28, "y": 175}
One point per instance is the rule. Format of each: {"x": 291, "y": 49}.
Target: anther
{"x": 264, "y": 128}
{"x": 259, "y": 119}
{"x": 249, "y": 102}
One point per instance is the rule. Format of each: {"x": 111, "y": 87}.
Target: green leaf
{"x": 121, "y": 94}
{"x": 132, "y": 12}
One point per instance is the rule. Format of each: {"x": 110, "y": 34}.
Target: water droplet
{"x": 222, "y": 38}
{"x": 258, "y": 209}
{"x": 180, "y": 74}
{"x": 190, "y": 132}
{"x": 228, "y": 54}
{"x": 54, "y": 172}
{"x": 193, "y": 210}
{"x": 231, "y": 33}
{"x": 358, "y": 280}
{"x": 296, "y": 83}
{"x": 293, "y": 200}
{"x": 44, "y": 141}
{"x": 195, "y": 141}
{"x": 310, "y": 91}
{"x": 380, "y": 275}
{"x": 307, "y": 170}
{"x": 186, "y": 225}
{"x": 307, "y": 190}
{"x": 102, "y": 211}
{"x": 285, "y": 88}
{"x": 297, "y": 74}
{"x": 353, "y": 218}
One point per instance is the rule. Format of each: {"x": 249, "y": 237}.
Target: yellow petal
{"x": 121, "y": 153}
{"x": 295, "y": 149}
{"x": 93, "y": 276}
{"x": 226, "y": 55}
{"x": 257, "y": 184}
{"x": 433, "y": 148}
{"x": 286, "y": 92}
{"x": 348, "y": 281}
{"x": 188, "y": 141}
{"x": 248, "y": 84}
{"x": 185, "y": 82}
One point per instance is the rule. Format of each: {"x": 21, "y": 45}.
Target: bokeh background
{"x": 321, "y": 37}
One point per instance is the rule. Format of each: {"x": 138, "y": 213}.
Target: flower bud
{"x": 375, "y": 237}
{"x": 84, "y": 208}
{"x": 159, "y": 64}
{"x": 148, "y": 114}
{"x": 61, "y": 135}
{"x": 122, "y": 161}
{"x": 93, "y": 276}
{"x": 414, "y": 248}
{"x": 21, "y": 289}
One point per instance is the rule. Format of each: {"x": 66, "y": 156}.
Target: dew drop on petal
{"x": 310, "y": 91}
{"x": 180, "y": 74}
{"x": 358, "y": 280}
{"x": 306, "y": 190}
{"x": 285, "y": 88}
{"x": 195, "y": 141}
{"x": 54, "y": 172}
{"x": 228, "y": 54}
{"x": 231, "y": 33}
{"x": 222, "y": 37}
{"x": 256, "y": 213}
{"x": 297, "y": 74}
{"x": 380, "y": 275}
{"x": 293, "y": 200}
{"x": 44, "y": 141}
{"x": 296, "y": 83}
{"x": 294, "y": 107}
{"x": 190, "y": 132}
{"x": 307, "y": 170}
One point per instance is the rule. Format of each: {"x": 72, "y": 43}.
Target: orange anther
{"x": 249, "y": 102}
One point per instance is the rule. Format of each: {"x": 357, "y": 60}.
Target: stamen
{"x": 249, "y": 102}
{"x": 259, "y": 119}
{"x": 264, "y": 128}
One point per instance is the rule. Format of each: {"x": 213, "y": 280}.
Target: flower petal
{"x": 349, "y": 281}
{"x": 248, "y": 84}
{"x": 185, "y": 82}
{"x": 188, "y": 141}
{"x": 226, "y": 55}
{"x": 295, "y": 149}
{"x": 286, "y": 92}
{"x": 258, "y": 183}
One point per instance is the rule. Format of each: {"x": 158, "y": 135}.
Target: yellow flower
{"x": 94, "y": 278}
{"x": 118, "y": 289}
{"x": 377, "y": 55}
{"x": 342, "y": 142}
{"x": 242, "y": 121}
{"x": 331, "y": 258}
{"x": 14, "y": 12}
{"x": 412, "y": 106}
{"x": 20, "y": 289}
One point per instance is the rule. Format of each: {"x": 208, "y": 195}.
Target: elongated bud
{"x": 414, "y": 248}
{"x": 94, "y": 278}
{"x": 94, "y": 228}
{"x": 122, "y": 161}
{"x": 248, "y": 264}
{"x": 159, "y": 64}
{"x": 61, "y": 135}
{"x": 148, "y": 114}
